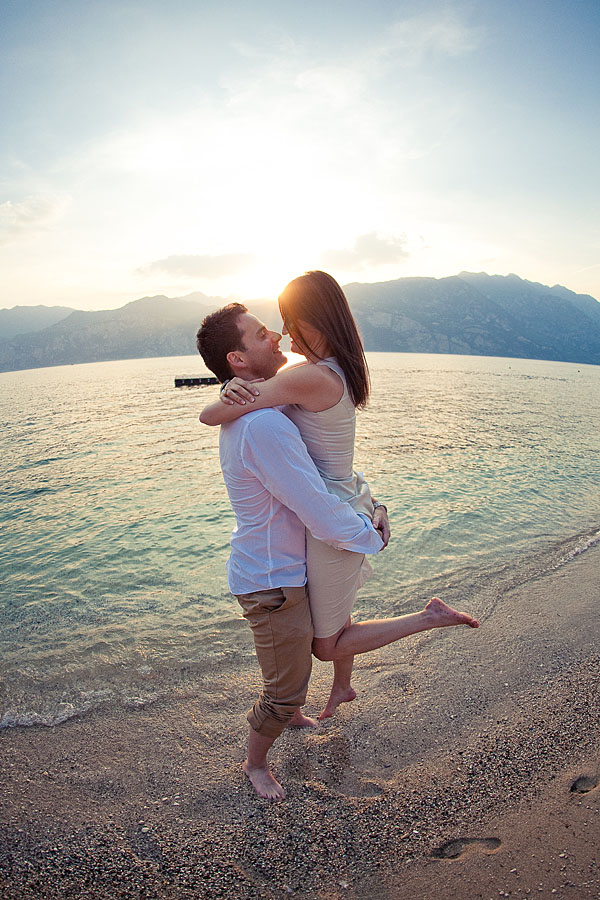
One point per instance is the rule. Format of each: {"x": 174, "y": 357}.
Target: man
{"x": 275, "y": 491}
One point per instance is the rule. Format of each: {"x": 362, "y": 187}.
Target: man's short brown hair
{"x": 218, "y": 335}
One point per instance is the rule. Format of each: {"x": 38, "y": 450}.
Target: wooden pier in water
{"x": 194, "y": 380}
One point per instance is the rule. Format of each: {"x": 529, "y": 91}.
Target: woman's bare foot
{"x": 337, "y": 696}
{"x": 301, "y": 721}
{"x": 263, "y": 782}
{"x": 443, "y": 616}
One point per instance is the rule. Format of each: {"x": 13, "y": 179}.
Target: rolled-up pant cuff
{"x": 268, "y": 725}
{"x": 282, "y": 630}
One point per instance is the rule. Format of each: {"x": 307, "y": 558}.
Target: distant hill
{"x": 478, "y": 314}
{"x": 24, "y": 319}
{"x": 152, "y": 326}
{"x": 474, "y": 314}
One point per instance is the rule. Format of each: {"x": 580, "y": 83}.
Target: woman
{"x": 321, "y": 396}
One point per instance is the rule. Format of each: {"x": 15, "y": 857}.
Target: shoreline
{"x": 51, "y": 690}
{"x": 459, "y": 742}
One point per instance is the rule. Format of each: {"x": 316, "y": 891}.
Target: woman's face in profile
{"x": 305, "y": 340}
{"x": 296, "y": 344}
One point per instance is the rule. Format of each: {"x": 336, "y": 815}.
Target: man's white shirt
{"x": 275, "y": 491}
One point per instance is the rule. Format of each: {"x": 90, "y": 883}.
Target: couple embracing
{"x": 305, "y": 520}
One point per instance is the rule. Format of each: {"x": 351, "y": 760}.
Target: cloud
{"x": 200, "y": 266}
{"x": 369, "y": 250}
{"x": 36, "y": 212}
{"x": 338, "y": 87}
{"x": 410, "y": 40}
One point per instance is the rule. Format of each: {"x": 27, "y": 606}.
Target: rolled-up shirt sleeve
{"x": 280, "y": 460}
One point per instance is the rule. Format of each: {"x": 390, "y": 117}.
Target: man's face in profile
{"x": 261, "y": 353}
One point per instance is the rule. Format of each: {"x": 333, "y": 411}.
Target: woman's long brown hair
{"x": 317, "y": 299}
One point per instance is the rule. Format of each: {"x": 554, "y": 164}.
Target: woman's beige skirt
{"x": 334, "y": 577}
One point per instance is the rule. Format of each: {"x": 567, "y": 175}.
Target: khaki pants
{"x": 282, "y": 630}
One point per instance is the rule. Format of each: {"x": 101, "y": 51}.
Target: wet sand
{"x": 468, "y": 766}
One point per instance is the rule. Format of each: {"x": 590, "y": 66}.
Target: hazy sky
{"x": 152, "y": 147}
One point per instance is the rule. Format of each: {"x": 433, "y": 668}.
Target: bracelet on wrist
{"x": 224, "y": 385}
{"x": 378, "y": 505}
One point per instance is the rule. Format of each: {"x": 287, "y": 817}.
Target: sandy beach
{"x": 468, "y": 766}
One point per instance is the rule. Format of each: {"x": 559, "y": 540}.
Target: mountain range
{"x": 472, "y": 314}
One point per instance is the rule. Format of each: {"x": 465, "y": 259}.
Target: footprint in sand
{"x": 368, "y": 789}
{"x": 144, "y": 844}
{"x": 354, "y": 787}
{"x": 584, "y": 783}
{"x": 327, "y": 759}
{"x": 456, "y": 848}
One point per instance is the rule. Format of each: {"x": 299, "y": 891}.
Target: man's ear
{"x": 235, "y": 359}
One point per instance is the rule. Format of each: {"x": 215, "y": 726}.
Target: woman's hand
{"x": 239, "y": 391}
{"x": 381, "y": 524}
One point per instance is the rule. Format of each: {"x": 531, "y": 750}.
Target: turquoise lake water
{"x": 115, "y": 520}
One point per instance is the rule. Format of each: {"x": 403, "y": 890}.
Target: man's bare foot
{"x": 443, "y": 616}
{"x": 301, "y": 721}
{"x": 263, "y": 782}
{"x": 337, "y": 696}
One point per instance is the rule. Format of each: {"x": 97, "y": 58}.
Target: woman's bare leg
{"x": 341, "y": 689}
{"x": 360, "y": 637}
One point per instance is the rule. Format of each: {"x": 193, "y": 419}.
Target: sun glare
{"x": 266, "y": 281}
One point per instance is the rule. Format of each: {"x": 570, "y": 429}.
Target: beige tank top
{"x": 329, "y": 437}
